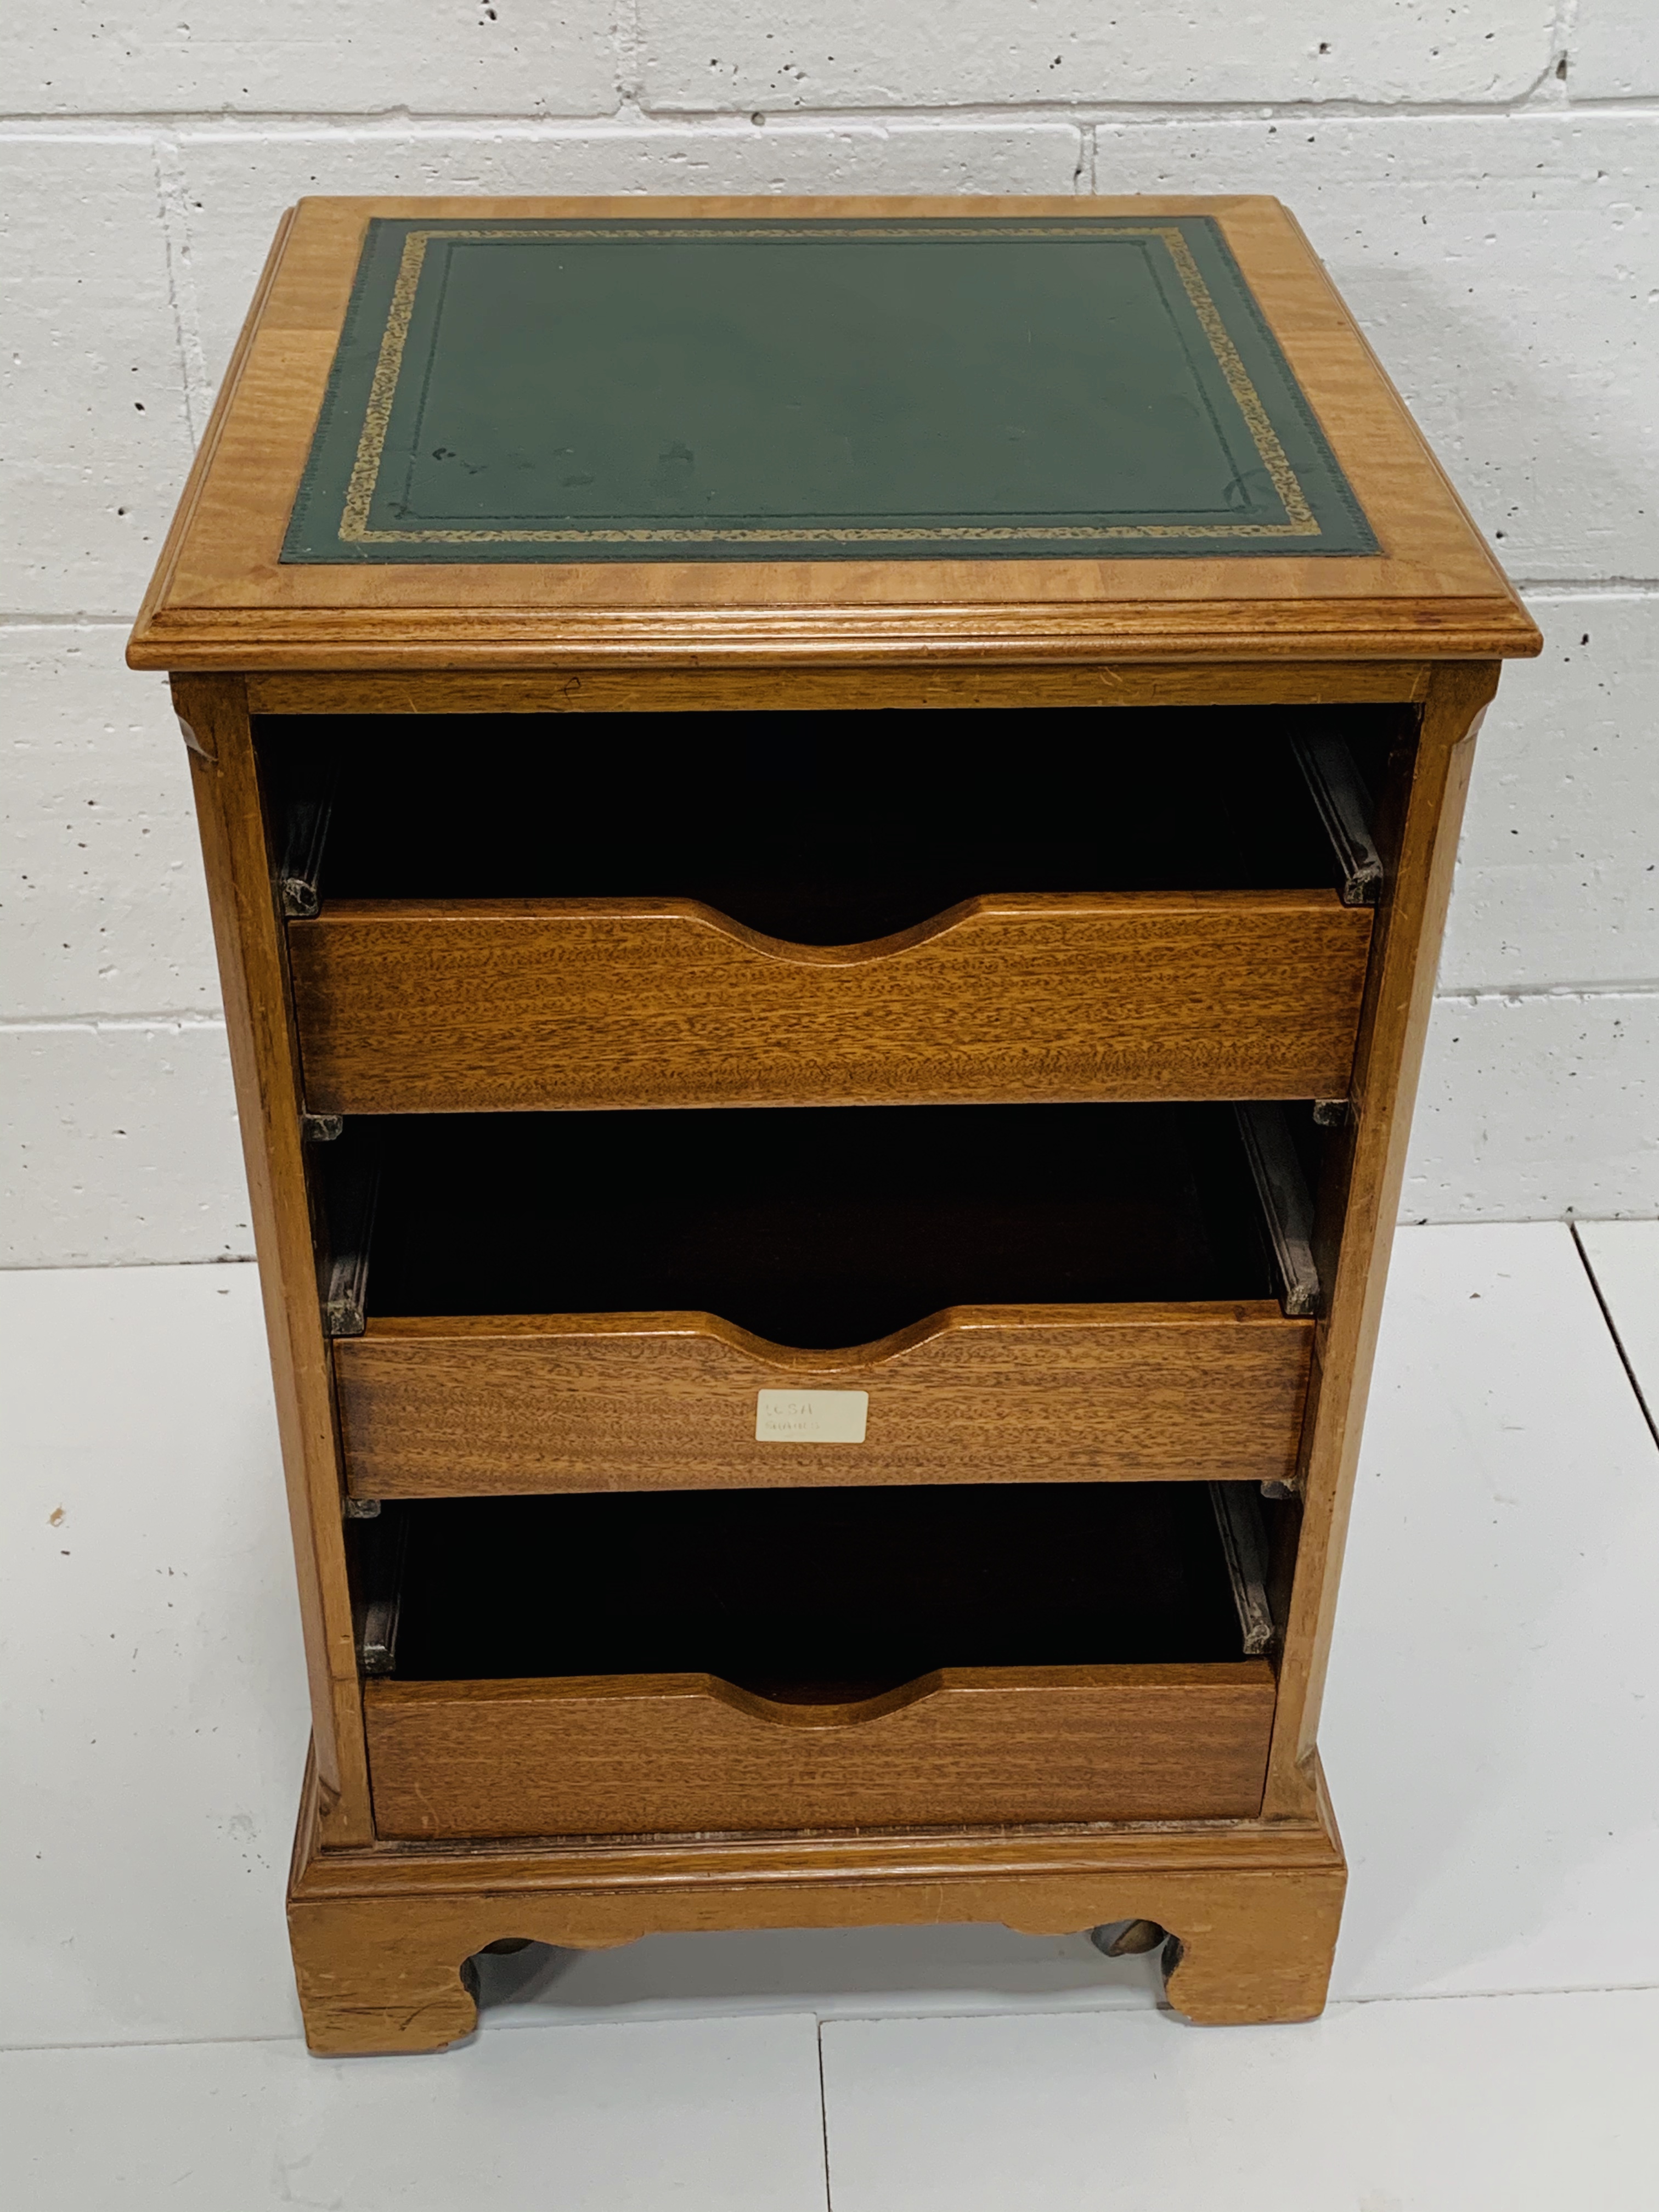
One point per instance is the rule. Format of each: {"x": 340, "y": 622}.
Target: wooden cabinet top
{"x": 479, "y": 434}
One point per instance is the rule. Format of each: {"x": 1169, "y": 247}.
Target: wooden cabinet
{"x": 826, "y": 951}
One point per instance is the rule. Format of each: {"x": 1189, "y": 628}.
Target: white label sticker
{"x": 810, "y": 1417}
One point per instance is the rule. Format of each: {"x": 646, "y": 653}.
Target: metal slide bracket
{"x": 300, "y": 869}
{"x": 351, "y": 1189}
{"x": 1344, "y": 807}
{"x": 1244, "y": 1543}
{"x": 1286, "y": 1206}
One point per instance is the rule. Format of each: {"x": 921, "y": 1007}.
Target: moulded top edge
{"x": 237, "y": 589}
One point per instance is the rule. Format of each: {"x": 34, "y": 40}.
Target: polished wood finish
{"x": 626, "y": 1754}
{"x": 382, "y": 1927}
{"x": 1363, "y": 1197}
{"x": 473, "y": 1404}
{"x": 911, "y": 688}
{"x": 491, "y": 1005}
{"x": 380, "y": 1936}
{"x": 248, "y": 932}
{"x": 222, "y": 599}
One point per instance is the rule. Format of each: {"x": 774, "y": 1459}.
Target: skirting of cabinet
{"x": 409, "y": 1006}
{"x": 382, "y": 1937}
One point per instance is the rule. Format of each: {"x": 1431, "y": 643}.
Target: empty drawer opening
{"x": 812, "y": 1227}
{"x": 813, "y": 1596}
{"x": 824, "y": 829}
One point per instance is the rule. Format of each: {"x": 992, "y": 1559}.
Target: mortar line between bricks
{"x": 22, "y": 620}
{"x": 194, "y": 1018}
{"x": 1537, "y": 993}
{"x": 629, "y": 121}
{"x": 1562, "y": 32}
{"x": 1581, "y": 587}
{"x": 625, "y": 45}
{"x": 171, "y": 197}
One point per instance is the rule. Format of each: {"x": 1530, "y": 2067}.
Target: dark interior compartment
{"x": 815, "y": 1595}
{"x": 820, "y": 828}
{"x": 818, "y": 1227}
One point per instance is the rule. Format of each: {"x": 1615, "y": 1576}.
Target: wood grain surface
{"x": 491, "y": 1006}
{"x": 221, "y": 598}
{"x": 380, "y": 1936}
{"x": 586, "y": 641}
{"x": 264, "y": 1063}
{"x": 1364, "y": 1195}
{"x": 617, "y": 1878}
{"x": 473, "y": 1405}
{"x": 959, "y": 685}
{"x": 689, "y": 1754}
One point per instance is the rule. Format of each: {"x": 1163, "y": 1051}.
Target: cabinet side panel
{"x": 1393, "y": 1027}
{"x": 213, "y": 712}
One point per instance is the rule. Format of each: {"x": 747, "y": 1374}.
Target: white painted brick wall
{"x": 119, "y": 1143}
{"x": 1507, "y": 270}
{"x": 1480, "y": 175}
{"x": 74, "y": 57}
{"x": 106, "y": 907}
{"x": 728, "y": 55}
{"x": 1558, "y": 874}
{"x": 91, "y": 384}
{"x": 1615, "y": 51}
{"x": 236, "y": 184}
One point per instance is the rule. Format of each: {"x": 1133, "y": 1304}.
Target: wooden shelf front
{"x": 481, "y": 1403}
{"x": 642, "y": 1754}
{"x": 488, "y": 1006}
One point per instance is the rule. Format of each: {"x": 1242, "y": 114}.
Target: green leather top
{"x": 780, "y": 389}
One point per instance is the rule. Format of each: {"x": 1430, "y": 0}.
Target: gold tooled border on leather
{"x": 366, "y": 469}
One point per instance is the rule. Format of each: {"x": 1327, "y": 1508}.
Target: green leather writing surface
{"x": 779, "y": 390}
